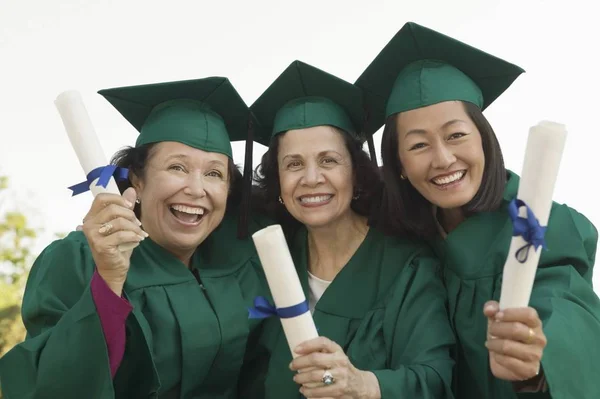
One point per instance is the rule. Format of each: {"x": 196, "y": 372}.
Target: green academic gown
{"x": 473, "y": 257}
{"x": 184, "y": 339}
{"x": 385, "y": 308}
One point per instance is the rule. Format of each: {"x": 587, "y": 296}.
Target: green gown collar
{"x": 152, "y": 265}
{"x": 492, "y": 227}
{"x": 512, "y": 186}
{"x": 351, "y": 280}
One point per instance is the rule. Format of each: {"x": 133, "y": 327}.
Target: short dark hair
{"x": 136, "y": 158}
{"x": 366, "y": 181}
{"x": 404, "y": 211}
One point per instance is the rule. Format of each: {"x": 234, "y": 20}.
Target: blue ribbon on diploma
{"x": 529, "y": 228}
{"x": 103, "y": 174}
{"x": 263, "y": 309}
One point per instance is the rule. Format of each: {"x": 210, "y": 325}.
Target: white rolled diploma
{"x": 284, "y": 284}
{"x": 536, "y": 188}
{"x": 85, "y": 142}
{"x": 83, "y": 138}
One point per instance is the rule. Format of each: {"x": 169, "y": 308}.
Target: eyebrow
{"x": 321, "y": 153}
{"x": 452, "y": 122}
{"x": 177, "y": 156}
{"x": 444, "y": 126}
{"x": 185, "y": 157}
{"x": 216, "y": 162}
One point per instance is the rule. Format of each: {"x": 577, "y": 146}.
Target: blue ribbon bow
{"x": 103, "y": 174}
{"x": 263, "y": 309}
{"x": 529, "y": 228}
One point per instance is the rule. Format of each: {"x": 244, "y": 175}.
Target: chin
{"x": 189, "y": 240}
{"x": 316, "y": 222}
{"x": 452, "y": 203}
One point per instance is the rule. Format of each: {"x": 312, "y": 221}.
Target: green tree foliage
{"x": 16, "y": 242}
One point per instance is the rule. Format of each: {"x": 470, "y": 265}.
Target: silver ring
{"x": 327, "y": 378}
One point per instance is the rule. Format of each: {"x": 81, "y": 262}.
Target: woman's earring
{"x": 137, "y": 200}
{"x": 402, "y": 176}
{"x": 280, "y": 200}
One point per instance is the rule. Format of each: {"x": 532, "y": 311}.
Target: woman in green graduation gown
{"x": 377, "y": 302}
{"x": 164, "y": 320}
{"x": 445, "y": 180}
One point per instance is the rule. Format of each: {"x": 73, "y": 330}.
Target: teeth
{"x": 449, "y": 179}
{"x": 312, "y": 200}
{"x": 188, "y": 209}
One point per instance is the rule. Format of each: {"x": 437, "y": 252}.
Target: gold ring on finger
{"x": 530, "y": 337}
{"x": 106, "y": 228}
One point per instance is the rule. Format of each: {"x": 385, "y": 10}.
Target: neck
{"x": 331, "y": 247}
{"x": 182, "y": 254}
{"x": 451, "y": 218}
{"x": 185, "y": 259}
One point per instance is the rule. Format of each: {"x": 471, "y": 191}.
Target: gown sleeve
{"x": 64, "y": 354}
{"x": 418, "y": 336}
{"x": 568, "y": 307}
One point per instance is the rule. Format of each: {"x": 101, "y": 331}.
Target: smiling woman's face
{"x": 441, "y": 153}
{"x": 315, "y": 175}
{"x": 183, "y": 195}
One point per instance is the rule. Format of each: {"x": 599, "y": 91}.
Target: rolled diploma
{"x": 83, "y": 138}
{"x": 84, "y": 141}
{"x": 540, "y": 168}
{"x": 284, "y": 283}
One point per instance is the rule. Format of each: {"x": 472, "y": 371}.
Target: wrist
{"x": 117, "y": 288}
{"x": 371, "y": 385}
{"x": 114, "y": 282}
{"x": 534, "y": 384}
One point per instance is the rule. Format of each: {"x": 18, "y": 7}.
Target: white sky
{"x": 49, "y": 46}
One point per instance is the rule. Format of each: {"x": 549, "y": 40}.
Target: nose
{"x": 313, "y": 176}
{"x": 195, "y": 185}
{"x": 443, "y": 157}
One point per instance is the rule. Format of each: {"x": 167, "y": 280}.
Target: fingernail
{"x": 138, "y": 222}
{"x": 128, "y": 204}
{"x": 499, "y": 315}
{"x": 290, "y": 366}
{"x": 144, "y": 234}
{"x": 489, "y": 307}
{"x": 141, "y": 238}
{"x": 298, "y": 348}
{"x": 104, "y": 229}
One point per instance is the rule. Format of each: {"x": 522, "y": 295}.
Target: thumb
{"x": 130, "y": 195}
{"x": 491, "y": 308}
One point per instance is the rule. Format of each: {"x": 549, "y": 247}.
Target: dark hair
{"x": 404, "y": 211}
{"x": 136, "y": 158}
{"x": 366, "y": 181}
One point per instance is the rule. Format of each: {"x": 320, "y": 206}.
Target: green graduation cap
{"x": 204, "y": 113}
{"x": 421, "y": 67}
{"x": 304, "y": 96}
